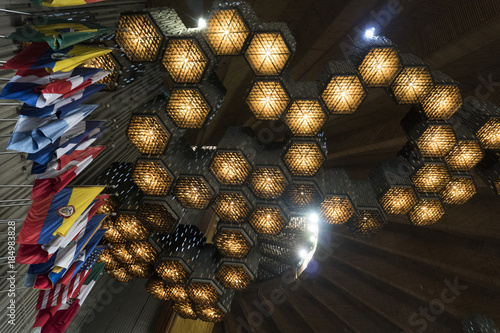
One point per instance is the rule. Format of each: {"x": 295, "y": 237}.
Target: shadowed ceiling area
{"x": 406, "y": 278}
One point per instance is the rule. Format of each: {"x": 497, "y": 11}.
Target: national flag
{"x": 63, "y": 3}
{"x": 58, "y": 321}
{"x": 40, "y": 55}
{"x": 33, "y": 134}
{"x": 91, "y": 258}
{"x": 85, "y": 131}
{"x": 49, "y": 212}
{"x": 63, "y": 107}
{"x": 57, "y": 33}
{"x": 38, "y": 88}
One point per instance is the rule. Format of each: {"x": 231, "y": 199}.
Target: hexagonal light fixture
{"x": 159, "y": 215}
{"x": 185, "y": 59}
{"x": 444, "y": 99}
{"x": 270, "y": 49}
{"x": 121, "y": 254}
{"x": 234, "y": 241}
{"x": 483, "y": 119}
{"x": 369, "y": 218}
{"x": 267, "y": 182}
{"x": 237, "y": 274}
{"x": 343, "y": 90}
{"x": 337, "y": 207}
{"x": 152, "y": 177}
{"x": 304, "y": 158}
{"x": 467, "y": 153}
{"x": 233, "y": 205}
{"x": 130, "y": 227}
{"x": 459, "y": 190}
{"x": 267, "y": 99}
{"x": 267, "y": 219}
{"x": 120, "y": 274}
{"x": 156, "y": 287}
{"x": 143, "y": 252}
{"x": 302, "y": 195}
{"x": 193, "y": 192}
{"x": 427, "y": 211}
{"x": 185, "y": 310}
{"x": 140, "y": 270}
{"x": 305, "y": 117}
{"x": 413, "y": 82}
{"x": 489, "y": 170}
{"x": 230, "y": 168}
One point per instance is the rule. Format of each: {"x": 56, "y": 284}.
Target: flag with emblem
{"x": 40, "y": 55}
{"x": 54, "y": 214}
{"x": 57, "y": 33}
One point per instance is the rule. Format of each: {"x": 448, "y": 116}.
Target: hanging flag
{"x": 50, "y": 211}
{"x": 32, "y": 134}
{"x": 90, "y": 259}
{"x": 57, "y": 33}
{"x": 40, "y": 55}
{"x": 60, "y": 321}
{"x": 38, "y": 88}
{"x": 63, "y": 107}
{"x": 69, "y": 141}
{"x": 63, "y": 3}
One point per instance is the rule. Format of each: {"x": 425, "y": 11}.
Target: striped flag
{"x": 38, "y": 88}
{"x": 33, "y": 134}
{"x": 40, "y": 55}
{"x": 57, "y": 33}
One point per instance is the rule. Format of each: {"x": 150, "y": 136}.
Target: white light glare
{"x": 370, "y": 32}
{"x": 303, "y": 254}
{"x": 202, "y": 23}
{"x": 313, "y": 220}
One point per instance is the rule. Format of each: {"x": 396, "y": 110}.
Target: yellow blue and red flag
{"x": 40, "y": 55}
{"x": 63, "y": 3}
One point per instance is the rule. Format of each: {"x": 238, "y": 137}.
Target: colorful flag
{"x": 40, "y": 55}
{"x": 57, "y": 33}
{"x": 66, "y": 144}
{"x": 49, "y": 212}
{"x": 38, "y": 88}
{"x": 33, "y": 134}
{"x": 63, "y": 3}
{"x": 63, "y": 107}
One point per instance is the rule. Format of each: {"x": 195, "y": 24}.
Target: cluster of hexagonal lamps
{"x": 262, "y": 195}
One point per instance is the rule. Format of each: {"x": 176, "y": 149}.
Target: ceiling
{"x": 375, "y": 284}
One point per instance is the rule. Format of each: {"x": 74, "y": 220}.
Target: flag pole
{"x": 14, "y": 12}
{"x": 14, "y": 200}
{"x": 16, "y": 186}
{"x": 13, "y": 205}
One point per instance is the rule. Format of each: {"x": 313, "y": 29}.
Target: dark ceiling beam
{"x": 259, "y": 322}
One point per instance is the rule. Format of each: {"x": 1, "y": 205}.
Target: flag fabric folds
{"x": 40, "y": 55}
{"x": 38, "y": 88}
{"x": 57, "y": 33}
{"x": 63, "y": 3}
{"x": 33, "y": 134}
{"x": 50, "y": 211}
{"x": 63, "y": 107}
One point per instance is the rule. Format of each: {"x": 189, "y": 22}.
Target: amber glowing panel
{"x": 106, "y": 256}
{"x": 464, "y": 156}
{"x": 436, "y": 141}
{"x": 489, "y": 134}
{"x": 380, "y": 67}
{"x": 305, "y": 117}
{"x": 138, "y": 38}
{"x": 411, "y": 85}
{"x": 267, "y": 183}
{"x": 110, "y": 206}
{"x": 192, "y": 192}
{"x": 156, "y": 287}
{"x": 104, "y": 62}
{"x": 458, "y": 191}
{"x": 226, "y": 32}
{"x": 398, "y": 200}
{"x": 202, "y": 292}
{"x": 426, "y": 212}
{"x": 442, "y": 102}
{"x": 140, "y": 270}
{"x": 430, "y": 177}
{"x": 232, "y": 244}
{"x": 152, "y": 178}
{"x": 176, "y": 292}
{"x": 120, "y": 274}
{"x": 366, "y": 223}
{"x": 143, "y": 252}
{"x": 156, "y": 217}
{"x": 185, "y": 310}
{"x": 209, "y": 313}
{"x": 231, "y": 207}
{"x": 121, "y": 254}
{"x": 184, "y": 60}
{"x": 147, "y": 135}
{"x": 230, "y": 168}
{"x": 343, "y": 94}
{"x": 112, "y": 235}
{"x": 301, "y": 196}
{"x": 303, "y": 159}
{"x": 172, "y": 271}
{"x": 267, "y": 53}
{"x": 112, "y": 265}
{"x": 267, "y": 100}
{"x": 267, "y": 220}
{"x": 336, "y": 209}
{"x": 233, "y": 277}
{"x": 130, "y": 227}
{"x": 187, "y": 108}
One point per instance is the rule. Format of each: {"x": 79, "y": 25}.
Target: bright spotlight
{"x": 370, "y": 32}
{"x": 313, "y": 238}
{"x": 303, "y": 254}
{"x": 313, "y": 218}
{"x": 202, "y": 23}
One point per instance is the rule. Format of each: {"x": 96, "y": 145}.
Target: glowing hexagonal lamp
{"x": 304, "y": 157}
{"x": 467, "y": 153}
{"x": 120, "y": 253}
{"x": 270, "y": 177}
{"x": 228, "y": 28}
{"x": 106, "y": 62}
{"x": 343, "y": 90}
{"x": 120, "y": 274}
{"x": 159, "y": 215}
{"x": 459, "y": 190}
{"x": 369, "y": 218}
{"x": 413, "y": 82}
{"x": 193, "y": 192}
{"x": 140, "y": 270}
{"x": 237, "y": 274}
{"x": 234, "y": 240}
{"x": 377, "y": 60}
{"x": 393, "y": 187}
{"x": 444, "y": 98}
{"x": 143, "y": 252}
{"x": 270, "y": 49}
{"x": 156, "y": 287}
{"x": 233, "y": 205}
{"x": 268, "y": 219}
{"x": 337, "y": 207}
{"x": 427, "y": 211}
{"x": 176, "y": 292}
{"x": 305, "y": 117}
{"x": 112, "y": 235}
{"x": 267, "y": 99}
{"x": 302, "y": 195}
{"x": 215, "y": 313}
{"x": 185, "y": 310}
{"x": 152, "y": 177}
{"x": 130, "y": 227}
{"x": 483, "y": 119}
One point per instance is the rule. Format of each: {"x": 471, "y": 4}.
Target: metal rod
{"x": 4, "y": 78}
{"x": 14, "y": 200}
{"x": 14, "y": 205}
{"x": 14, "y": 12}
{"x": 20, "y": 185}
{"x": 7, "y": 119}
{"x": 9, "y": 152}
{"x": 3, "y": 61}
{"x": 15, "y": 220}
{"x": 13, "y": 104}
